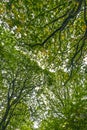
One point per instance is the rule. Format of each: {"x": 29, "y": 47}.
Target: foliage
{"x": 19, "y": 78}
{"x": 43, "y": 64}
{"x": 67, "y": 110}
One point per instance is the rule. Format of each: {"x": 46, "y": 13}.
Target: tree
{"x": 67, "y": 107}
{"x": 44, "y": 45}
{"x": 63, "y": 24}
{"x": 20, "y": 76}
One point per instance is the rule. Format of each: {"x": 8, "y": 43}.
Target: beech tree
{"x": 43, "y": 64}
{"x": 19, "y": 77}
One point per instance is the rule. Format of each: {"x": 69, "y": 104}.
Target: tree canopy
{"x": 43, "y": 65}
